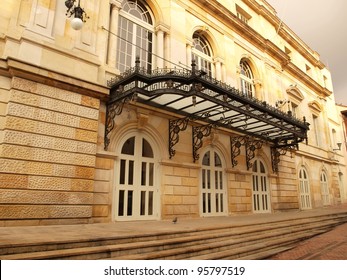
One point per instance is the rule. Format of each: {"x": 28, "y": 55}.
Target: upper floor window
{"x": 135, "y": 35}
{"x": 316, "y": 130}
{"x": 294, "y": 109}
{"x": 246, "y": 76}
{"x": 294, "y": 100}
{"x": 242, "y": 14}
{"x": 202, "y": 53}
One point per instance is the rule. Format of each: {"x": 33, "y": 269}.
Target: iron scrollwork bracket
{"x": 175, "y": 127}
{"x": 199, "y": 132}
{"x": 250, "y": 144}
{"x": 113, "y": 110}
{"x": 276, "y": 152}
{"x": 235, "y": 143}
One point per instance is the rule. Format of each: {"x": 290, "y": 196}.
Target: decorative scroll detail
{"x": 113, "y": 110}
{"x": 175, "y": 127}
{"x": 199, "y": 132}
{"x": 251, "y": 144}
{"x": 276, "y": 152}
{"x": 235, "y": 143}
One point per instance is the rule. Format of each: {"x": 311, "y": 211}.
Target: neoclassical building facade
{"x": 162, "y": 109}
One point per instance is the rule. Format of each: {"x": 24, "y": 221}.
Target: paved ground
{"x": 327, "y": 246}
{"x": 331, "y": 245}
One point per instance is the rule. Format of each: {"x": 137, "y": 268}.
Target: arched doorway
{"x": 136, "y": 188}
{"x": 213, "y": 186}
{"x": 304, "y": 189}
{"x": 260, "y": 188}
{"x": 324, "y": 188}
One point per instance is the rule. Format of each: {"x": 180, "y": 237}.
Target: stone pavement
{"x": 331, "y": 245}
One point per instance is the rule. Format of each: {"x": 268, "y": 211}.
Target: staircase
{"x": 243, "y": 241}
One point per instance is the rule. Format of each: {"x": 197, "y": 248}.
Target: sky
{"x": 321, "y": 24}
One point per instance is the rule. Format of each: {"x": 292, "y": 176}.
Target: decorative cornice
{"x": 295, "y": 41}
{"x": 229, "y": 19}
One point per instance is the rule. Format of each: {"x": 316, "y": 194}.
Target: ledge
{"x": 12, "y": 67}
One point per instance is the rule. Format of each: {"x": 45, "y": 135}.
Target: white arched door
{"x": 213, "y": 188}
{"x": 324, "y": 188}
{"x": 260, "y": 188}
{"x": 304, "y": 190}
{"x": 136, "y": 190}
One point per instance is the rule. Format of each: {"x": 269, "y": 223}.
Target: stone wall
{"x": 48, "y": 148}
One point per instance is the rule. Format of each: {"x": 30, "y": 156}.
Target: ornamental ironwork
{"x": 251, "y": 145}
{"x": 196, "y": 97}
{"x": 175, "y": 127}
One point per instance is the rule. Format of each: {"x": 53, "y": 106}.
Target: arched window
{"x": 135, "y": 35}
{"x": 213, "y": 189}
{"x": 246, "y": 79}
{"x": 136, "y": 188}
{"x": 260, "y": 188}
{"x": 202, "y": 53}
{"x": 324, "y": 188}
{"x": 304, "y": 189}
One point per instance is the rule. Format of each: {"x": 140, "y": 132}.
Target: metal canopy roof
{"x": 198, "y": 97}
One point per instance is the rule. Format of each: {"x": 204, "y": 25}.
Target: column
{"x": 160, "y": 48}
{"x": 189, "y": 46}
{"x": 167, "y": 50}
{"x": 162, "y": 31}
{"x": 218, "y": 65}
{"x": 112, "y": 41}
{"x": 257, "y": 87}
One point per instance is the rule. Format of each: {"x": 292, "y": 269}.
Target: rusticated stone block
{"x": 57, "y": 93}
{"x": 60, "y": 184}
{"x": 43, "y": 155}
{"x": 88, "y": 124}
{"x": 47, "y": 103}
{"x": 45, "y": 90}
{"x": 85, "y": 135}
{"x": 14, "y": 181}
{"x": 8, "y": 196}
{"x": 44, "y": 211}
{"x": 38, "y": 127}
{"x": 25, "y": 167}
{"x": 90, "y": 102}
{"x": 85, "y": 172}
{"x": 46, "y": 169}
{"x": 49, "y": 142}
{"x": 22, "y": 84}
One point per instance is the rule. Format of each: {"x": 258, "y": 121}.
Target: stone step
{"x": 25, "y": 247}
{"x": 219, "y": 245}
{"x": 215, "y": 250}
{"x": 179, "y": 244}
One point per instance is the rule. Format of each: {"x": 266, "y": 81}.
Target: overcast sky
{"x": 321, "y": 24}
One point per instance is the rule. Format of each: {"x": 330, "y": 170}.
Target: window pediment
{"x": 315, "y": 107}
{"x": 295, "y": 94}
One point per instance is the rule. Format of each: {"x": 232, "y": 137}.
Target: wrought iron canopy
{"x": 198, "y": 97}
